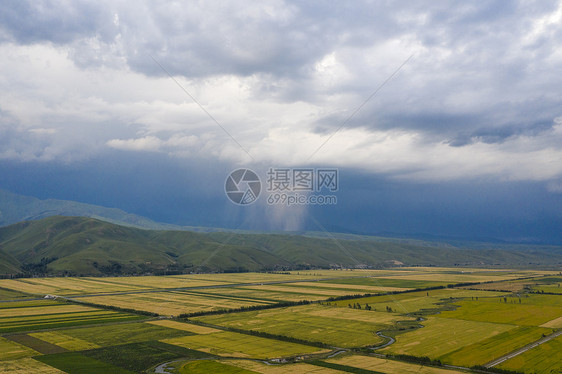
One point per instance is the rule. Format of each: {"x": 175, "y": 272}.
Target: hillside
{"x": 87, "y": 246}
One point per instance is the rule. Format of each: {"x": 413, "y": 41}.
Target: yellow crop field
{"x": 299, "y": 368}
{"x": 241, "y": 345}
{"x": 28, "y": 286}
{"x": 64, "y": 341}
{"x": 202, "y": 330}
{"x": 352, "y": 289}
{"x": 168, "y": 281}
{"x": 259, "y": 293}
{"x": 451, "y": 278}
{"x": 42, "y": 310}
{"x": 170, "y": 302}
{"x": 305, "y": 291}
{"x": 388, "y": 366}
{"x": 27, "y": 366}
{"x": 553, "y": 324}
{"x": 254, "y": 277}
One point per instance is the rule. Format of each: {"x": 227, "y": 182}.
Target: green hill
{"x": 86, "y": 246}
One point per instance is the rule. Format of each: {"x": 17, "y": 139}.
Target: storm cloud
{"x": 410, "y": 92}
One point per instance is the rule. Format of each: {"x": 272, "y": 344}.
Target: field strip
{"x": 37, "y": 287}
{"x": 228, "y": 297}
{"x": 27, "y": 366}
{"x": 197, "y": 329}
{"x": 523, "y": 349}
{"x": 35, "y": 343}
{"x": 554, "y": 324}
{"x": 354, "y": 288}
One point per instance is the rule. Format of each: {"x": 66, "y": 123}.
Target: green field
{"x": 335, "y": 326}
{"x": 64, "y": 341}
{"x": 123, "y": 333}
{"x": 484, "y": 351}
{"x": 231, "y": 344}
{"x": 139, "y": 356}
{"x": 10, "y": 350}
{"x": 441, "y": 336}
{"x": 6, "y": 294}
{"x": 379, "y": 365}
{"x": 544, "y": 358}
{"x": 499, "y": 311}
{"x": 412, "y": 302}
{"x": 27, "y": 366}
{"x": 204, "y": 367}
{"x": 39, "y": 315}
{"x": 386, "y": 282}
{"x": 76, "y": 363}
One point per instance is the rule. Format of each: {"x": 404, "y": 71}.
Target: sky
{"x": 442, "y": 118}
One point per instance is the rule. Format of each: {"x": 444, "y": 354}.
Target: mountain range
{"x": 61, "y": 245}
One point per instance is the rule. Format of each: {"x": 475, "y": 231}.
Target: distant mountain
{"x": 86, "y": 246}
{"x": 17, "y": 208}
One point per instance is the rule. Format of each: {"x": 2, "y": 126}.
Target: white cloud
{"x": 480, "y": 99}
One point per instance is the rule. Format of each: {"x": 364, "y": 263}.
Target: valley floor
{"x": 436, "y": 320}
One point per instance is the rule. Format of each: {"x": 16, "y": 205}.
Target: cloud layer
{"x": 479, "y": 99}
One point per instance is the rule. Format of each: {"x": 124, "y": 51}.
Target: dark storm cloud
{"x": 54, "y": 21}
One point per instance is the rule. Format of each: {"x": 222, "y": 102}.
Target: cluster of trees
{"x": 358, "y": 306}
{"x": 417, "y": 360}
{"x": 37, "y": 269}
{"x": 495, "y": 370}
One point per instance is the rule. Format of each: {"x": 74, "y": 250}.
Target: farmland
{"x": 334, "y": 326}
{"x": 103, "y": 324}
